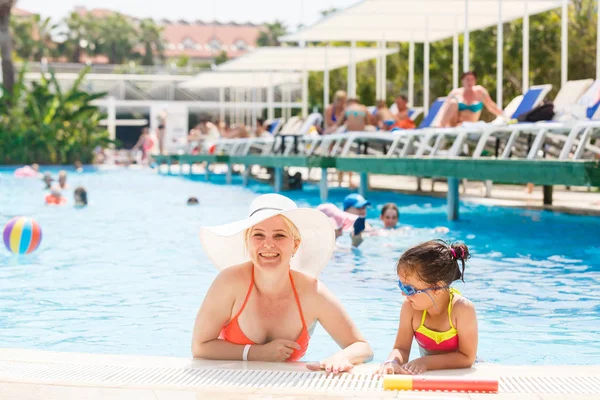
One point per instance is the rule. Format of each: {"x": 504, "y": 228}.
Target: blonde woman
{"x": 267, "y": 299}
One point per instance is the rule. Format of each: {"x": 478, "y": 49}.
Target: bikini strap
{"x": 247, "y": 295}
{"x": 423, "y": 317}
{"x": 298, "y": 301}
{"x": 452, "y": 292}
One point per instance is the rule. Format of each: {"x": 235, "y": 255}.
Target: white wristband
{"x": 246, "y": 350}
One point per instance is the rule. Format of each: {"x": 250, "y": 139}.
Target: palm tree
{"x": 8, "y": 69}
{"x": 270, "y": 36}
{"x": 151, "y": 39}
{"x": 76, "y": 36}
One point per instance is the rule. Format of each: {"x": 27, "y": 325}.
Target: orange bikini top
{"x": 234, "y": 334}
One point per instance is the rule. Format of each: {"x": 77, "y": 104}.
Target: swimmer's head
{"x": 435, "y": 263}
{"x": 192, "y": 201}
{"x": 36, "y": 167}
{"x": 55, "y": 191}
{"x": 390, "y": 215}
{"x": 80, "y": 195}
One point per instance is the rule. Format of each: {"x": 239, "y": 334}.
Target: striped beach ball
{"x": 22, "y": 235}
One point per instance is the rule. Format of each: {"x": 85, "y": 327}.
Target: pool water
{"x": 127, "y": 274}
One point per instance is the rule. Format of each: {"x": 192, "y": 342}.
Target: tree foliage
{"x": 43, "y": 124}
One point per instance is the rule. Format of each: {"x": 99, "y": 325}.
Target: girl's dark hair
{"x": 468, "y": 73}
{"x": 435, "y": 261}
{"x": 390, "y": 206}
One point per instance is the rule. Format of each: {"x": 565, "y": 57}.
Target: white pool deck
{"x": 34, "y": 374}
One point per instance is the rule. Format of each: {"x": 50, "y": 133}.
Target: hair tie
{"x": 453, "y": 252}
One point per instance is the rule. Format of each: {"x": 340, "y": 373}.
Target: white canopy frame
{"x": 424, "y": 21}
{"x": 322, "y": 58}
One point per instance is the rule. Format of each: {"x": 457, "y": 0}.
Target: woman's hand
{"x": 277, "y": 350}
{"x": 415, "y": 367}
{"x": 337, "y": 363}
{"x": 389, "y": 368}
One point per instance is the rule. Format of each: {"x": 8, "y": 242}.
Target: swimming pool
{"x": 127, "y": 274}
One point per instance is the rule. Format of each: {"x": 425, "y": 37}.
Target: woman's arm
{"x": 214, "y": 312}
{"x": 490, "y": 104}
{"x": 466, "y": 325}
{"x": 335, "y": 320}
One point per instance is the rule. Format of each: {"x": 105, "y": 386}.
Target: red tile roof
{"x": 199, "y": 36}
{"x": 18, "y": 12}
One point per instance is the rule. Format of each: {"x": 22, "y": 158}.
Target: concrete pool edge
{"x": 37, "y": 367}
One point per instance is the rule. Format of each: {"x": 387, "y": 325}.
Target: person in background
{"x": 55, "y": 197}
{"x": 466, "y": 103}
{"x": 145, "y": 144}
{"x": 436, "y": 315}
{"x": 78, "y": 166}
{"x": 390, "y": 216}
{"x": 80, "y": 197}
{"x": 162, "y": 128}
{"x": 62, "y": 179}
{"x": 403, "y": 121}
{"x": 193, "y": 201}
{"x": 48, "y": 179}
{"x": 260, "y": 128}
{"x": 384, "y": 119}
{"x": 334, "y": 113}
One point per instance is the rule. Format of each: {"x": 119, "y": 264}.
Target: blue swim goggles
{"x": 409, "y": 290}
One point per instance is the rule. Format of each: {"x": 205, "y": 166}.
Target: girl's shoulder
{"x": 462, "y": 307}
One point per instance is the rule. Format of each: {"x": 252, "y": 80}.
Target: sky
{"x": 291, "y": 12}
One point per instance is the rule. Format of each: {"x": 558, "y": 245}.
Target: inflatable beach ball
{"x": 22, "y": 235}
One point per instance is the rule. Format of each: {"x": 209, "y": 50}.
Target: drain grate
{"x": 111, "y": 375}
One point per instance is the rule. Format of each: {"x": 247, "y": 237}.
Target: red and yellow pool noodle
{"x": 438, "y": 383}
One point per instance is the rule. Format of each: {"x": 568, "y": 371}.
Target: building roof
{"x": 194, "y": 40}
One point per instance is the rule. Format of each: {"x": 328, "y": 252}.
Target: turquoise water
{"x": 127, "y": 274}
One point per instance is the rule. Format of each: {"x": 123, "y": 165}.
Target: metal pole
{"x": 564, "y": 44}
{"x": 526, "y": 48}
{"x": 453, "y": 199}
{"x": 384, "y": 72}
{"x": 221, "y": 104}
{"x": 598, "y": 41}
{"x": 378, "y": 73}
{"x": 411, "y": 73}
{"x": 499, "y": 57}
{"x": 426, "y": 70}
{"x": 466, "y": 50}
{"x": 305, "y": 93}
{"x": 455, "y": 67}
{"x": 352, "y": 92}
{"x": 326, "y": 80}
{"x": 271, "y": 108}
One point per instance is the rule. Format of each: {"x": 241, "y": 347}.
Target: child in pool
{"x": 440, "y": 319}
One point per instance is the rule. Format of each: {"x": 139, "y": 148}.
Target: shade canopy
{"x": 301, "y": 58}
{"x": 232, "y": 79}
{"x": 415, "y": 20}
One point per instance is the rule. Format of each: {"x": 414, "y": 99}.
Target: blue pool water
{"x": 127, "y": 274}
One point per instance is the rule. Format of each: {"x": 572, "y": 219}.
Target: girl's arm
{"x": 466, "y": 325}
{"x": 404, "y": 336}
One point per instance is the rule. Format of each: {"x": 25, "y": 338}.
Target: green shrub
{"x": 44, "y": 125}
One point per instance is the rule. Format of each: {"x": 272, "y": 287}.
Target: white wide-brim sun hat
{"x": 224, "y": 244}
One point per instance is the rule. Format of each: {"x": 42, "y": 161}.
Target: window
{"x": 240, "y": 44}
{"x": 214, "y": 44}
{"x": 188, "y": 43}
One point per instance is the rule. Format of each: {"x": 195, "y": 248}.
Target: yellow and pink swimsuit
{"x": 433, "y": 342}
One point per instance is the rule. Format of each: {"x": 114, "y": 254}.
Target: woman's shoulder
{"x": 235, "y": 275}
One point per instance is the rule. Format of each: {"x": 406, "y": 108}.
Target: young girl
{"x": 440, "y": 319}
